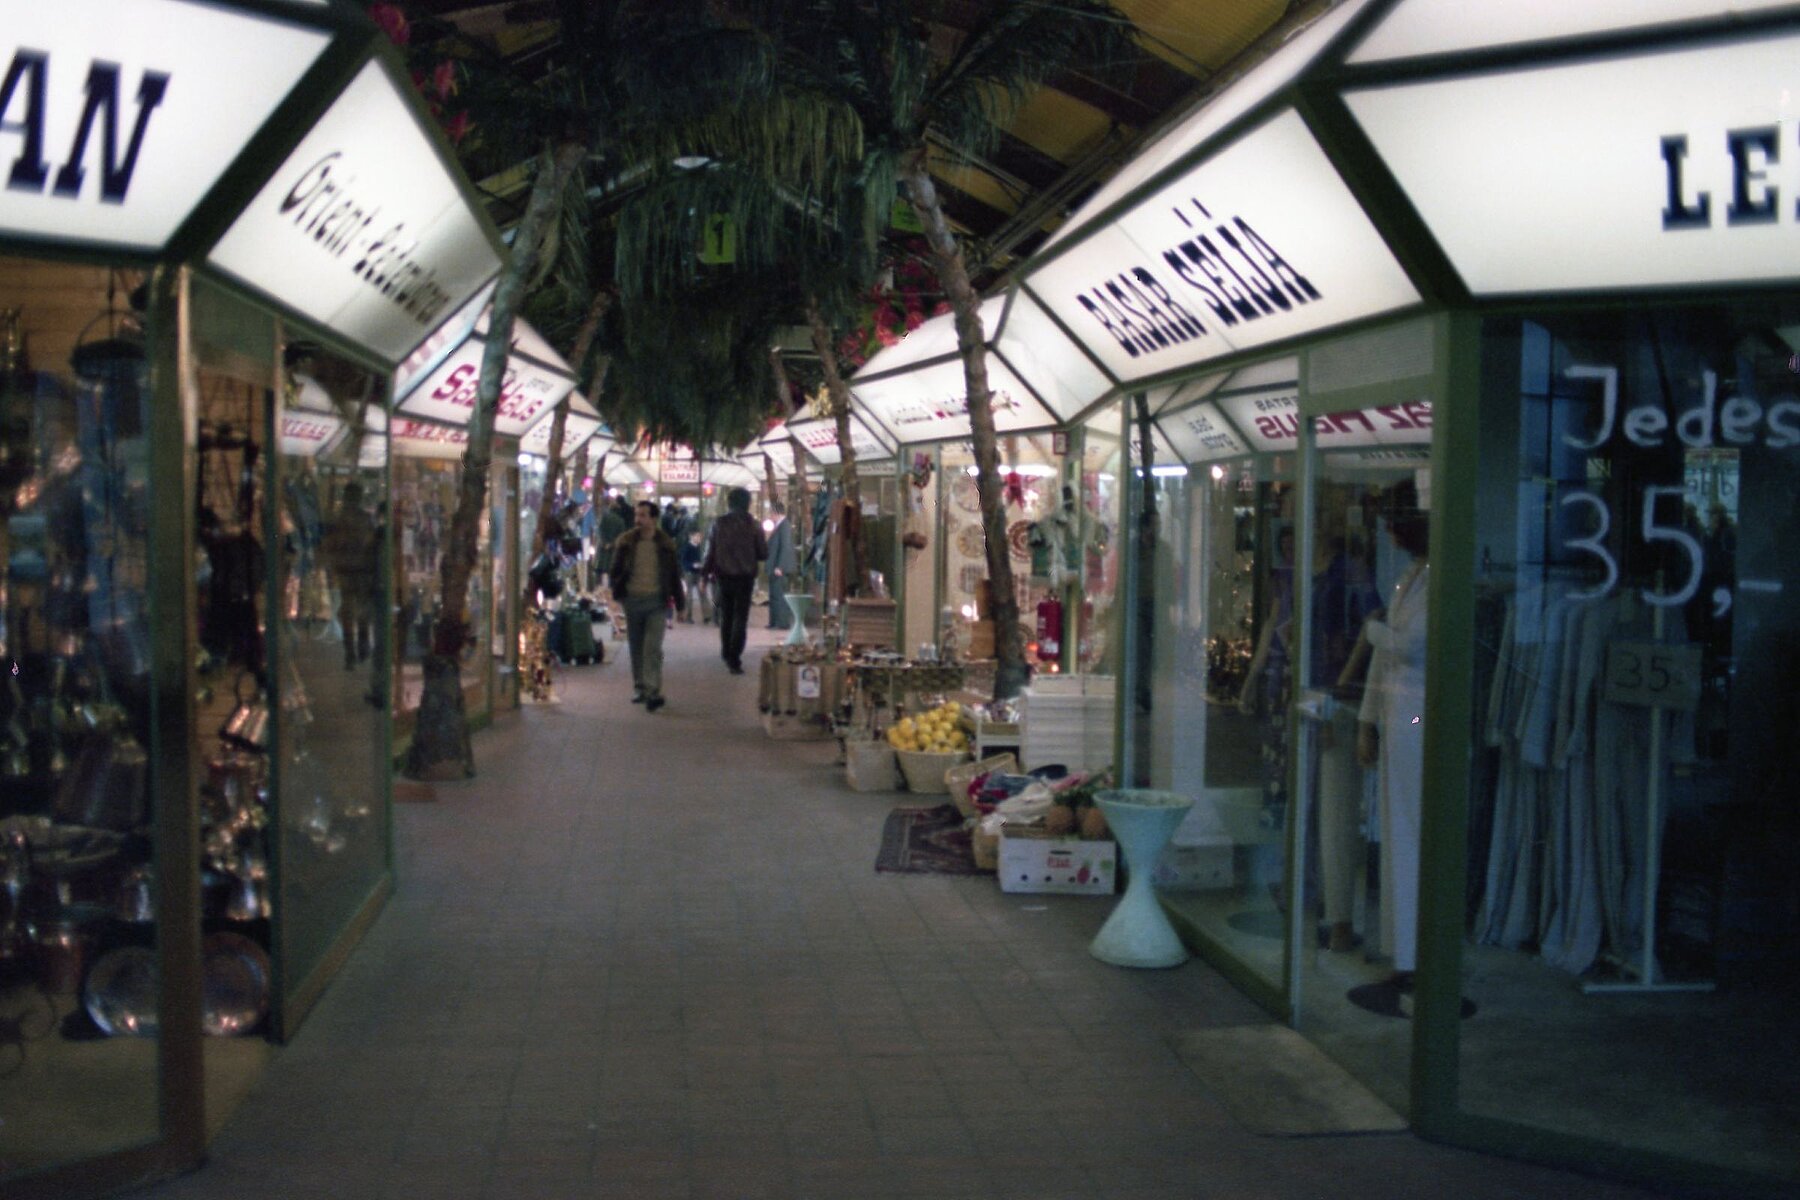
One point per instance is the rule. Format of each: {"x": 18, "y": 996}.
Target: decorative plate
{"x": 1018, "y": 540}
{"x": 970, "y": 541}
{"x": 120, "y": 992}
{"x": 234, "y": 984}
{"x": 964, "y": 494}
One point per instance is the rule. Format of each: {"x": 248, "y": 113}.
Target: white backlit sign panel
{"x": 422, "y": 439}
{"x": 780, "y": 450}
{"x": 306, "y": 434}
{"x": 580, "y": 423}
{"x": 1681, "y": 168}
{"x": 117, "y": 116}
{"x": 1044, "y": 357}
{"x": 1423, "y": 27}
{"x": 1271, "y": 420}
{"x": 430, "y": 353}
{"x": 931, "y": 404}
{"x": 1199, "y": 434}
{"x": 1259, "y": 243}
{"x": 820, "y": 437}
{"x": 678, "y": 470}
{"x": 363, "y": 229}
{"x": 527, "y": 391}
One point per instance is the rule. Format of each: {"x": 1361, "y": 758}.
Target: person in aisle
{"x": 646, "y": 580}
{"x": 352, "y": 553}
{"x": 693, "y": 557}
{"x": 783, "y": 562}
{"x": 613, "y": 522}
{"x": 737, "y": 550}
{"x": 1391, "y": 733}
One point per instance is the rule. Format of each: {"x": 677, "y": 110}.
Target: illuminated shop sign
{"x": 820, "y": 437}
{"x": 363, "y": 228}
{"x": 528, "y": 389}
{"x": 1421, "y": 27}
{"x": 1199, "y": 434}
{"x": 306, "y": 434}
{"x": 1271, "y": 420}
{"x": 580, "y": 423}
{"x": 430, "y": 353}
{"x": 1683, "y": 168}
{"x": 117, "y": 116}
{"x": 421, "y": 439}
{"x": 1260, "y": 242}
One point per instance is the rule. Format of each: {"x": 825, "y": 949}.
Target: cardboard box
{"x": 1057, "y": 866}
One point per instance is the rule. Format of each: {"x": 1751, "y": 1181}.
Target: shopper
{"x": 738, "y": 549}
{"x": 352, "y": 553}
{"x": 693, "y": 557}
{"x": 613, "y": 523}
{"x": 782, "y": 565}
{"x": 646, "y": 579}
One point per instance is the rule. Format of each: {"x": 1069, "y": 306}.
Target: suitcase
{"x": 572, "y": 638}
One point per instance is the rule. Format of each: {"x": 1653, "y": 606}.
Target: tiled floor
{"x": 647, "y": 956}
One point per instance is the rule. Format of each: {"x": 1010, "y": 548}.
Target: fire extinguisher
{"x": 1049, "y": 629}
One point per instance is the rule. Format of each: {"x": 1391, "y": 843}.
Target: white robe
{"x": 1394, "y": 702}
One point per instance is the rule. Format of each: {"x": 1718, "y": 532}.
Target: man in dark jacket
{"x": 737, "y": 548}
{"x": 646, "y": 578}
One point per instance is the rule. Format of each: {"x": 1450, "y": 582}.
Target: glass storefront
{"x": 78, "y": 868}
{"x": 331, "y": 652}
{"x": 424, "y": 500}
{"x": 1631, "y": 899}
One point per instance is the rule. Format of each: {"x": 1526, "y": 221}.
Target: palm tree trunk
{"x": 440, "y": 746}
{"x": 578, "y": 352}
{"x": 953, "y": 275}
{"x": 839, "y": 391}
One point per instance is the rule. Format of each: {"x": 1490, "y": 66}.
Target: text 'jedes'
{"x": 1736, "y": 421}
{"x": 28, "y": 82}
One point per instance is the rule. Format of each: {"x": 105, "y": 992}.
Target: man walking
{"x": 736, "y": 550}
{"x": 782, "y": 565}
{"x": 645, "y": 579}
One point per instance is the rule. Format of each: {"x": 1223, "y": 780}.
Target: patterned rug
{"x": 926, "y": 841}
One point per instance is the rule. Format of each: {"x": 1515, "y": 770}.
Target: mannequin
{"x": 1391, "y": 726}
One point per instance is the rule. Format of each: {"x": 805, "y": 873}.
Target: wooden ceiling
{"x": 1061, "y": 146}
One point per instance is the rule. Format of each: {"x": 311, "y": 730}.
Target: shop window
{"x": 1632, "y": 904}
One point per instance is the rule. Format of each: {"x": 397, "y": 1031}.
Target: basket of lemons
{"x": 929, "y": 744}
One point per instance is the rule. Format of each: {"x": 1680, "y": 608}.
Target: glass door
{"x": 1359, "y": 706}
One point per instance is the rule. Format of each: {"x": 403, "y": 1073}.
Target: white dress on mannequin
{"x": 1394, "y": 702}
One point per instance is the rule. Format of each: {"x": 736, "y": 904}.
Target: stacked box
{"x": 1068, "y": 719}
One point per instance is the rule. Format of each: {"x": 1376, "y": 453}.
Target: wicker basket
{"x": 958, "y": 779}
{"x": 924, "y": 769}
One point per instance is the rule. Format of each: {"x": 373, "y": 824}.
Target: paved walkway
{"x": 648, "y": 956}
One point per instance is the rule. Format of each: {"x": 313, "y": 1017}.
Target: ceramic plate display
{"x": 970, "y": 541}
{"x": 964, "y": 494}
{"x": 120, "y": 994}
{"x": 1018, "y": 540}
{"x": 235, "y": 984}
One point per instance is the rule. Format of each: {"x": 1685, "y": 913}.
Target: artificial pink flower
{"x": 914, "y": 319}
{"x": 443, "y": 80}
{"x": 457, "y": 128}
{"x": 392, "y": 22}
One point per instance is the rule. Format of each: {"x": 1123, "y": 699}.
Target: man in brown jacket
{"x": 737, "y": 548}
{"x": 646, "y": 579}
